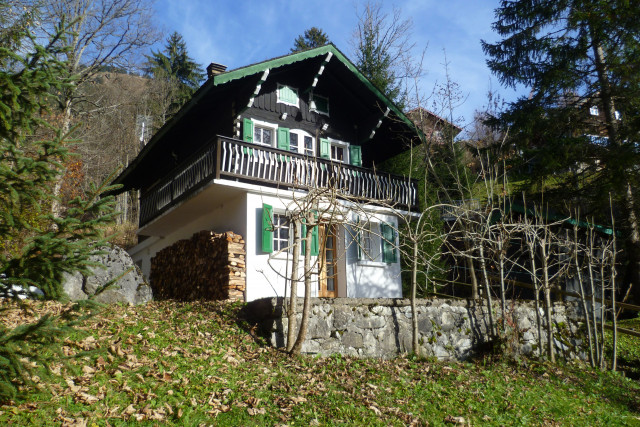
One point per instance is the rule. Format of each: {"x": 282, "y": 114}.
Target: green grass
{"x": 196, "y": 364}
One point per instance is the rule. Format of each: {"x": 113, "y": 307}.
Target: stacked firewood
{"x": 208, "y": 266}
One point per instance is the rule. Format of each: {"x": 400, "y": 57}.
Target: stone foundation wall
{"x": 208, "y": 266}
{"x": 449, "y": 329}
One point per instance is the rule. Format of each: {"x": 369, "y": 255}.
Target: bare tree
{"x": 102, "y": 34}
{"x": 381, "y": 44}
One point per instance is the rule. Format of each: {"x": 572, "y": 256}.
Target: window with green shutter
{"x": 288, "y": 95}
{"x": 389, "y": 250}
{"x": 267, "y": 228}
{"x": 283, "y": 139}
{"x": 247, "y": 130}
{"x": 319, "y": 104}
{"x": 315, "y": 239}
{"x": 355, "y": 155}
{"x": 325, "y": 148}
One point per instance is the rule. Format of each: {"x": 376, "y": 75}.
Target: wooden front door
{"x": 328, "y": 282}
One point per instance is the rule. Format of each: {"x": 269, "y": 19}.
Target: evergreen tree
{"x": 381, "y": 45}
{"x": 29, "y": 168}
{"x": 579, "y": 124}
{"x": 174, "y": 66}
{"x": 313, "y": 37}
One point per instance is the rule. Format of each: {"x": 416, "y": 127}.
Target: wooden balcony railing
{"x": 227, "y": 158}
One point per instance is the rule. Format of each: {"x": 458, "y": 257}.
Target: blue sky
{"x": 240, "y": 32}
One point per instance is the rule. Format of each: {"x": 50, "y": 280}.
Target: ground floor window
{"x": 281, "y": 225}
{"x": 370, "y": 242}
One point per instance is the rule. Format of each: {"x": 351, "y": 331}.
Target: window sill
{"x": 378, "y": 264}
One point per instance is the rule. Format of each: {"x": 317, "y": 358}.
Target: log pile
{"x": 208, "y": 266}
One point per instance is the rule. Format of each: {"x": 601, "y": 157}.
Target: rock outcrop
{"x": 130, "y": 286}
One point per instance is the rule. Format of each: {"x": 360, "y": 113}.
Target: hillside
{"x": 198, "y": 364}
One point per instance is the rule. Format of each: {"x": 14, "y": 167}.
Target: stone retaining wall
{"x": 449, "y": 329}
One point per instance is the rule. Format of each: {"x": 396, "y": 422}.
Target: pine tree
{"x": 381, "y": 45}
{"x": 579, "y": 58}
{"x": 47, "y": 246}
{"x": 175, "y": 67}
{"x": 313, "y": 37}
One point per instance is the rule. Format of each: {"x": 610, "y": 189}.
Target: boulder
{"x": 129, "y": 288}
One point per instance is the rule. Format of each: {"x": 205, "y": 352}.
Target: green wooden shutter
{"x": 315, "y": 239}
{"x": 283, "y": 139}
{"x": 267, "y": 228}
{"x": 288, "y": 94}
{"x": 325, "y": 148}
{"x": 247, "y": 130}
{"x": 389, "y": 254}
{"x": 303, "y": 233}
{"x": 355, "y": 155}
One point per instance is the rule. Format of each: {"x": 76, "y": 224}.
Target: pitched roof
{"x": 221, "y": 79}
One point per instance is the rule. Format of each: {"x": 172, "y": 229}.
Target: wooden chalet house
{"x": 235, "y": 153}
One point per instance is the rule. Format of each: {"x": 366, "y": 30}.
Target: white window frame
{"x": 593, "y": 110}
{"x": 279, "y": 244}
{"x": 266, "y": 125}
{"x": 370, "y": 241}
{"x": 312, "y": 104}
{"x": 301, "y": 134}
{"x": 282, "y": 101}
{"x": 618, "y": 115}
{"x": 342, "y": 144}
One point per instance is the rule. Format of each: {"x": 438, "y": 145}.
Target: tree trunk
{"x": 474, "y": 278}
{"x": 583, "y": 296}
{"x": 547, "y": 301}
{"x": 536, "y": 288}
{"x": 503, "y": 299}
{"x": 596, "y": 344}
{"x": 302, "y": 332}
{"x": 487, "y": 288}
{"x": 293, "y": 295}
{"x": 414, "y": 314}
{"x": 603, "y": 312}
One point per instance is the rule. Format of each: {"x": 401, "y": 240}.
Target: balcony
{"x": 231, "y": 159}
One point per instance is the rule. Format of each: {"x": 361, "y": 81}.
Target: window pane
{"x": 293, "y": 142}
{"x": 308, "y": 145}
{"x": 266, "y": 136}
{"x": 257, "y": 134}
{"x": 337, "y": 153}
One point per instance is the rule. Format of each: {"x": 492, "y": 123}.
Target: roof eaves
{"x": 248, "y": 70}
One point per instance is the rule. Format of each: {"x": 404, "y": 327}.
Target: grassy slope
{"x": 189, "y": 364}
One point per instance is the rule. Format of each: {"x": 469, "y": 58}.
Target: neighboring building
{"x": 434, "y": 127}
{"x": 250, "y": 141}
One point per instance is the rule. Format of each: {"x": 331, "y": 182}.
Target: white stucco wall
{"x": 357, "y": 279}
{"x": 372, "y": 279}
{"x": 227, "y": 216}
{"x": 266, "y": 273}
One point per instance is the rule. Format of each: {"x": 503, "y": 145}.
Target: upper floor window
{"x": 288, "y": 95}
{"x": 340, "y": 151}
{"x": 301, "y": 142}
{"x": 618, "y": 115}
{"x": 262, "y": 135}
{"x": 594, "y": 110}
{"x": 334, "y": 150}
{"x": 259, "y": 132}
{"x": 319, "y": 104}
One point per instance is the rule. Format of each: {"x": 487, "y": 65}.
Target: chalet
{"x": 235, "y": 156}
